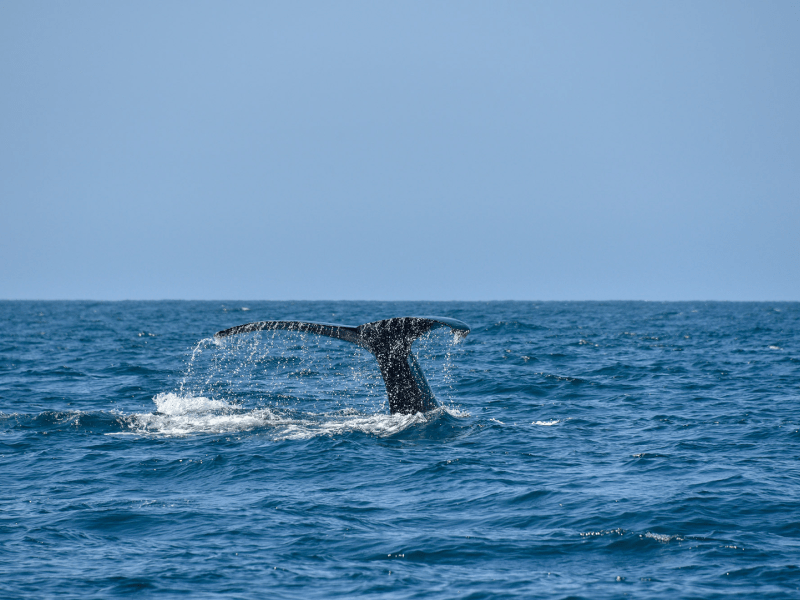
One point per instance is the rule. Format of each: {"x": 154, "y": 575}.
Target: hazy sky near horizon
{"x": 400, "y": 150}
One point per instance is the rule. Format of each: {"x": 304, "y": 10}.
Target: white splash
{"x": 178, "y": 416}
{"x": 549, "y": 423}
{"x": 381, "y": 425}
{"x": 174, "y": 405}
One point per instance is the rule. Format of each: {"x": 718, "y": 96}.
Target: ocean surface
{"x": 586, "y": 450}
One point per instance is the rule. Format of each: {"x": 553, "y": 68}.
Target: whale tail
{"x": 389, "y": 341}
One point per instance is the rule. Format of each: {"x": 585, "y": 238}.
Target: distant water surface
{"x": 582, "y": 450}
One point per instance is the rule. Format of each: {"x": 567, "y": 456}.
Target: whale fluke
{"x": 389, "y": 341}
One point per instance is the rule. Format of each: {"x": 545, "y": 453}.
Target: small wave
{"x": 51, "y": 421}
{"x": 660, "y": 537}
{"x": 455, "y": 412}
{"x": 549, "y": 423}
{"x": 602, "y": 532}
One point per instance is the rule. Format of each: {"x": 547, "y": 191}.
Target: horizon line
{"x": 367, "y": 300}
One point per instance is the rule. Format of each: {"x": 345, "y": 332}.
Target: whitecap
{"x": 660, "y": 537}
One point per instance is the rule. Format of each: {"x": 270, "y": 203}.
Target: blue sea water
{"x": 588, "y": 450}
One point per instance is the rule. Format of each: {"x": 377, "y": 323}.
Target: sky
{"x": 371, "y": 150}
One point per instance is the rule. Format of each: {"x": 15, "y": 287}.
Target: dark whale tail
{"x": 389, "y": 341}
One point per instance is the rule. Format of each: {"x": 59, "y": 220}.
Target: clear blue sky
{"x": 400, "y": 150}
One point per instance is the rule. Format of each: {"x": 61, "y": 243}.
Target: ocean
{"x": 581, "y": 450}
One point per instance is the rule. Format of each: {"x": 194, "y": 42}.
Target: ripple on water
{"x": 582, "y": 449}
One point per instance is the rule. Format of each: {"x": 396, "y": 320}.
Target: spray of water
{"x": 293, "y": 385}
